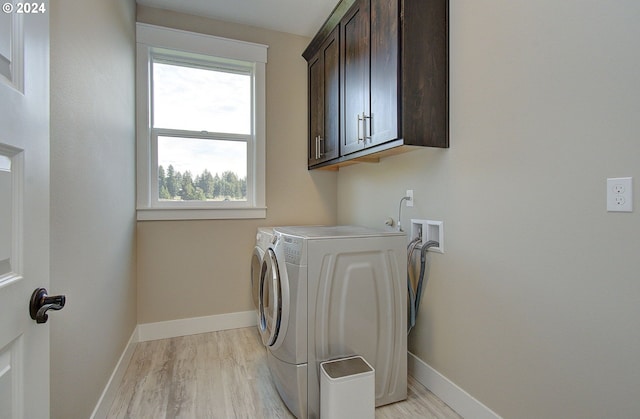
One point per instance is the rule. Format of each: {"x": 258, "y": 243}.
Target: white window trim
{"x": 149, "y": 37}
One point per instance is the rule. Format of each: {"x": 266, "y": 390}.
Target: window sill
{"x": 162, "y": 214}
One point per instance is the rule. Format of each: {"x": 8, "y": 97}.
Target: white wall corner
{"x": 447, "y": 391}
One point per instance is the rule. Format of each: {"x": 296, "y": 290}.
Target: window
{"x": 201, "y": 130}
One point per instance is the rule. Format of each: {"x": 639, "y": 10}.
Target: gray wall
{"x": 92, "y": 197}
{"x": 534, "y": 307}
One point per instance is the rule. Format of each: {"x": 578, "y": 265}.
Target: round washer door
{"x": 270, "y": 302}
{"x": 256, "y": 268}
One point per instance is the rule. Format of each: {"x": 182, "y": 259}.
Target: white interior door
{"x": 24, "y": 207}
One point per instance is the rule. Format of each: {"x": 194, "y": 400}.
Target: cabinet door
{"x": 324, "y": 91}
{"x": 316, "y": 106}
{"x": 383, "y": 123}
{"x": 355, "y": 76}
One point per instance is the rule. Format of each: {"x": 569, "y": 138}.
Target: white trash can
{"x": 347, "y": 389}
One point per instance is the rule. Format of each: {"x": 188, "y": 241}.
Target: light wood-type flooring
{"x": 224, "y": 375}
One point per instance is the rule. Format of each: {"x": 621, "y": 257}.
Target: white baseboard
{"x": 195, "y": 325}
{"x": 108, "y": 395}
{"x": 447, "y": 391}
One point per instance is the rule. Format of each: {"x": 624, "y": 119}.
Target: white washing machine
{"x": 263, "y": 239}
{"x": 331, "y": 292}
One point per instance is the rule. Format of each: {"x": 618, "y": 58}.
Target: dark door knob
{"x": 41, "y": 303}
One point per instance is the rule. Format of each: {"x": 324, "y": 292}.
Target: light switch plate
{"x": 620, "y": 194}
{"x": 410, "y": 195}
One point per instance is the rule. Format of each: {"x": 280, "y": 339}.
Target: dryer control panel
{"x": 292, "y": 249}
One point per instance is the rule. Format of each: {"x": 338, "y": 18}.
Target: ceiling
{"x": 300, "y": 17}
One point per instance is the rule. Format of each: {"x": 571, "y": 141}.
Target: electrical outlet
{"x": 410, "y": 195}
{"x": 620, "y": 194}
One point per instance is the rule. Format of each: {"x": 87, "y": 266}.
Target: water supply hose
{"x": 415, "y": 295}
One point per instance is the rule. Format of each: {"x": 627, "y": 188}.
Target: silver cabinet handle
{"x": 360, "y": 118}
{"x": 320, "y": 146}
{"x": 364, "y": 126}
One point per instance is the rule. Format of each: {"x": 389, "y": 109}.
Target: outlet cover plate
{"x": 620, "y": 194}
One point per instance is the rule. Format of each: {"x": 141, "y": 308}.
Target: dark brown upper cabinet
{"x": 392, "y": 92}
{"x": 324, "y": 85}
{"x": 355, "y": 54}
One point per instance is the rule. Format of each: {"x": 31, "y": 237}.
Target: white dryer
{"x": 263, "y": 239}
{"x": 331, "y": 292}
